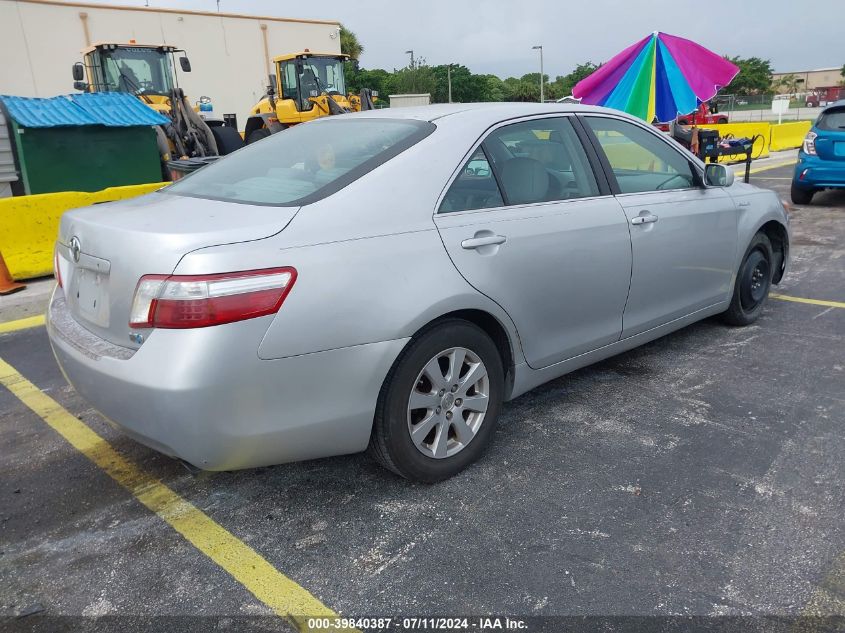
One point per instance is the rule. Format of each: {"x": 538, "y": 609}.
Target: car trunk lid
{"x": 105, "y": 249}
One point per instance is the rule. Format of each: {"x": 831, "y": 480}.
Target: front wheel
{"x": 753, "y": 281}
{"x": 438, "y": 407}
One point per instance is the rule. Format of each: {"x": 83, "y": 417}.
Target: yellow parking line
{"x": 815, "y": 302}
{"x": 285, "y": 597}
{"x": 739, "y": 168}
{"x": 22, "y": 324}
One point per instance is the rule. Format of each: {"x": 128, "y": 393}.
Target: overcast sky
{"x": 496, "y": 36}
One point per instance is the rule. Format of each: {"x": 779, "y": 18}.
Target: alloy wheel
{"x": 448, "y": 402}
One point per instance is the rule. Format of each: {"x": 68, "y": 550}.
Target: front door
{"x": 683, "y": 235}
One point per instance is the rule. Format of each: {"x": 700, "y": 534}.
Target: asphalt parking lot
{"x": 699, "y": 475}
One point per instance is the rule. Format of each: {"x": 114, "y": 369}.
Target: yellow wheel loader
{"x": 148, "y": 71}
{"x": 305, "y": 86}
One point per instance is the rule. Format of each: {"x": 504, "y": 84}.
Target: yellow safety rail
{"x": 29, "y": 224}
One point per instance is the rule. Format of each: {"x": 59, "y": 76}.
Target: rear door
{"x": 528, "y": 223}
{"x": 683, "y": 235}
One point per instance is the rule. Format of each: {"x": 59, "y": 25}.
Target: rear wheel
{"x": 801, "y": 196}
{"x": 753, "y": 282}
{"x": 257, "y": 135}
{"x": 722, "y": 120}
{"x": 438, "y": 408}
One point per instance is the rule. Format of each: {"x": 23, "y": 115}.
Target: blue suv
{"x": 821, "y": 160}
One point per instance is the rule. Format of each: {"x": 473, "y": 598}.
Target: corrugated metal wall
{"x": 8, "y": 173}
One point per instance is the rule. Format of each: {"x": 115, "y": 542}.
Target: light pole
{"x": 542, "y": 94}
{"x": 449, "y": 78}
{"x": 411, "y": 53}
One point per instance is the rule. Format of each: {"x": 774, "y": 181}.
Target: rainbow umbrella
{"x": 661, "y": 76}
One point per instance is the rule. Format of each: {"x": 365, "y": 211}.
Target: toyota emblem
{"x": 75, "y": 248}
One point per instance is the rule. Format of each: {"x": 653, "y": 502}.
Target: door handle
{"x": 478, "y": 242}
{"x": 645, "y": 218}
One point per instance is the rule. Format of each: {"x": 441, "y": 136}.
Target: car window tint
{"x": 540, "y": 161}
{"x": 304, "y": 163}
{"x": 474, "y": 188}
{"x": 640, "y": 160}
{"x": 833, "y": 119}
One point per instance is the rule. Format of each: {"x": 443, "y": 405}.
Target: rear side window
{"x": 639, "y": 159}
{"x": 305, "y": 163}
{"x": 833, "y": 120}
{"x": 524, "y": 163}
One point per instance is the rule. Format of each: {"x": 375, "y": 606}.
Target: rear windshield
{"x": 305, "y": 163}
{"x": 833, "y": 119}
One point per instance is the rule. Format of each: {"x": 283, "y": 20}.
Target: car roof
{"x": 835, "y": 104}
{"x": 481, "y": 112}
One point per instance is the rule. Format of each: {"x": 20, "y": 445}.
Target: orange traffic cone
{"x": 7, "y": 285}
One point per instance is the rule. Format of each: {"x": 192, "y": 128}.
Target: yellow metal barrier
{"x": 29, "y": 224}
{"x": 789, "y": 135}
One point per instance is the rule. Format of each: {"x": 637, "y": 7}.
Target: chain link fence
{"x": 759, "y": 107}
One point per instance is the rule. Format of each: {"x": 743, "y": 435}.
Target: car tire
{"x": 753, "y": 281}
{"x": 257, "y": 135}
{"x": 722, "y": 121}
{"x": 227, "y": 138}
{"x": 801, "y": 196}
{"x": 434, "y": 457}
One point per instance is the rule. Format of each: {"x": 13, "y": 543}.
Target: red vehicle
{"x": 825, "y": 96}
{"x": 707, "y": 114}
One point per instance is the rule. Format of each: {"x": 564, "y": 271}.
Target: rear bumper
{"x": 818, "y": 173}
{"x": 204, "y": 395}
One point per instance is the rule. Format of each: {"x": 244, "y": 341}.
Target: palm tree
{"x": 349, "y": 44}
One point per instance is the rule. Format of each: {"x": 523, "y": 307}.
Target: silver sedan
{"x": 384, "y": 281}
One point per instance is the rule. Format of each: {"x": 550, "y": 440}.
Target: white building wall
{"x": 41, "y": 39}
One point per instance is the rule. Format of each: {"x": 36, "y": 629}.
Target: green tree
{"x": 563, "y": 85}
{"x": 416, "y": 79}
{"x": 755, "y": 76}
{"x": 524, "y": 90}
{"x": 349, "y": 44}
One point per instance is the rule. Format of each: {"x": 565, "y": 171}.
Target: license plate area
{"x": 89, "y": 295}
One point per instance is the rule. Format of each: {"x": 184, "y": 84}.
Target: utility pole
{"x": 411, "y": 53}
{"x": 449, "y": 76}
{"x": 542, "y": 92}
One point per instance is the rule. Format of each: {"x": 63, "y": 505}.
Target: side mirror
{"x": 80, "y": 85}
{"x": 185, "y": 63}
{"x": 78, "y": 72}
{"x": 271, "y": 85}
{"x": 716, "y": 175}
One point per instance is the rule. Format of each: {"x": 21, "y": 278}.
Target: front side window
{"x": 524, "y": 163}
{"x": 640, "y": 160}
{"x": 305, "y": 163}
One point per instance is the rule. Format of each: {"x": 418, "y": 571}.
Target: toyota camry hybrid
{"x": 386, "y": 280}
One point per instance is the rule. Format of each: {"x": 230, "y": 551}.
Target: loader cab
{"x": 303, "y": 76}
{"x": 142, "y": 70}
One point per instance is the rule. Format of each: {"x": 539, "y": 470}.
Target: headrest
{"x": 525, "y": 180}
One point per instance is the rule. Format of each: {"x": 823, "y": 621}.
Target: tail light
{"x": 192, "y": 301}
{"x": 810, "y": 143}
